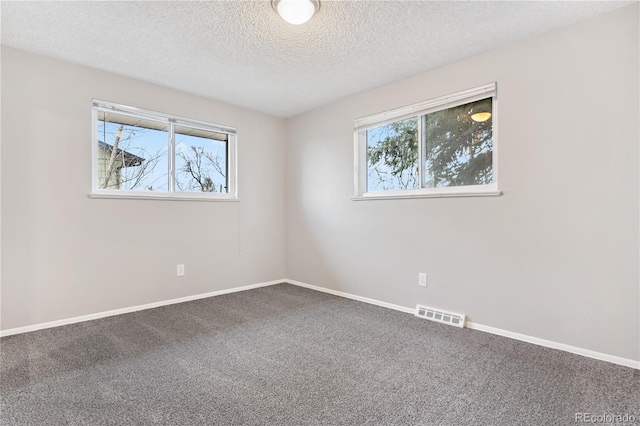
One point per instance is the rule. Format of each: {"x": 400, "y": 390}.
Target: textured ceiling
{"x": 242, "y": 53}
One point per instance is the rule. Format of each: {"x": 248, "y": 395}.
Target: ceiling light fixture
{"x": 481, "y": 116}
{"x": 296, "y": 11}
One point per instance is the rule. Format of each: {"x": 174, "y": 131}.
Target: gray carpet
{"x": 285, "y": 355}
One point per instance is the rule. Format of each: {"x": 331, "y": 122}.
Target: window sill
{"x": 160, "y": 197}
{"x": 396, "y": 196}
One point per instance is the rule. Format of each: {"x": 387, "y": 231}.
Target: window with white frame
{"x": 444, "y": 146}
{"x": 140, "y": 153}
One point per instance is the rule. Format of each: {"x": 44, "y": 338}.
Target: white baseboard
{"x": 473, "y": 326}
{"x": 555, "y": 345}
{"x": 51, "y": 324}
{"x": 487, "y": 329}
{"x": 352, "y": 296}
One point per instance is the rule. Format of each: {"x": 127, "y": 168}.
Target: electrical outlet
{"x": 422, "y": 279}
{"x": 180, "y": 270}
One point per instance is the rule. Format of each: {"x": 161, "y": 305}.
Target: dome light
{"x": 296, "y": 12}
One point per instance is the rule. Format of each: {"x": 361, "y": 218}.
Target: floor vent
{"x": 440, "y": 316}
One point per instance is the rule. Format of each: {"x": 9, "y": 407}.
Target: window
{"x": 444, "y": 146}
{"x": 138, "y": 153}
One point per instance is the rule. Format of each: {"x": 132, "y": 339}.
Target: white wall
{"x": 65, "y": 255}
{"x": 555, "y": 257}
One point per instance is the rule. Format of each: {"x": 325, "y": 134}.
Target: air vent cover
{"x": 440, "y": 316}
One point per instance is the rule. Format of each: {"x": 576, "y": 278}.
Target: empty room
{"x": 320, "y": 212}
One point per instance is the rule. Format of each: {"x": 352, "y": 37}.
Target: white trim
{"x": 353, "y": 296}
{"x": 418, "y": 111}
{"x": 399, "y": 195}
{"x": 495, "y": 138}
{"x": 172, "y": 159}
{"x": 487, "y": 329}
{"x": 232, "y": 166}
{"x": 51, "y": 324}
{"x": 555, "y": 345}
{"x": 94, "y": 149}
{"x": 166, "y": 196}
{"x": 171, "y": 122}
{"x": 470, "y": 325}
{"x": 160, "y": 116}
{"x": 425, "y": 107}
{"x": 357, "y": 173}
{"x": 422, "y": 137}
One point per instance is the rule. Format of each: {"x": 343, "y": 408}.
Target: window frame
{"x": 172, "y": 121}
{"x": 419, "y": 110}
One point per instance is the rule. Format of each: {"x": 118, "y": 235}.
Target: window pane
{"x": 201, "y": 160}
{"x": 459, "y": 146}
{"x": 132, "y": 153}
{"x": 392, "y": 156}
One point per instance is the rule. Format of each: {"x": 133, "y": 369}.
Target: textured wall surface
{"x": 66, "y": 255}
{"x": 243, "y": 53}
{"x": 555, "y": 257}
